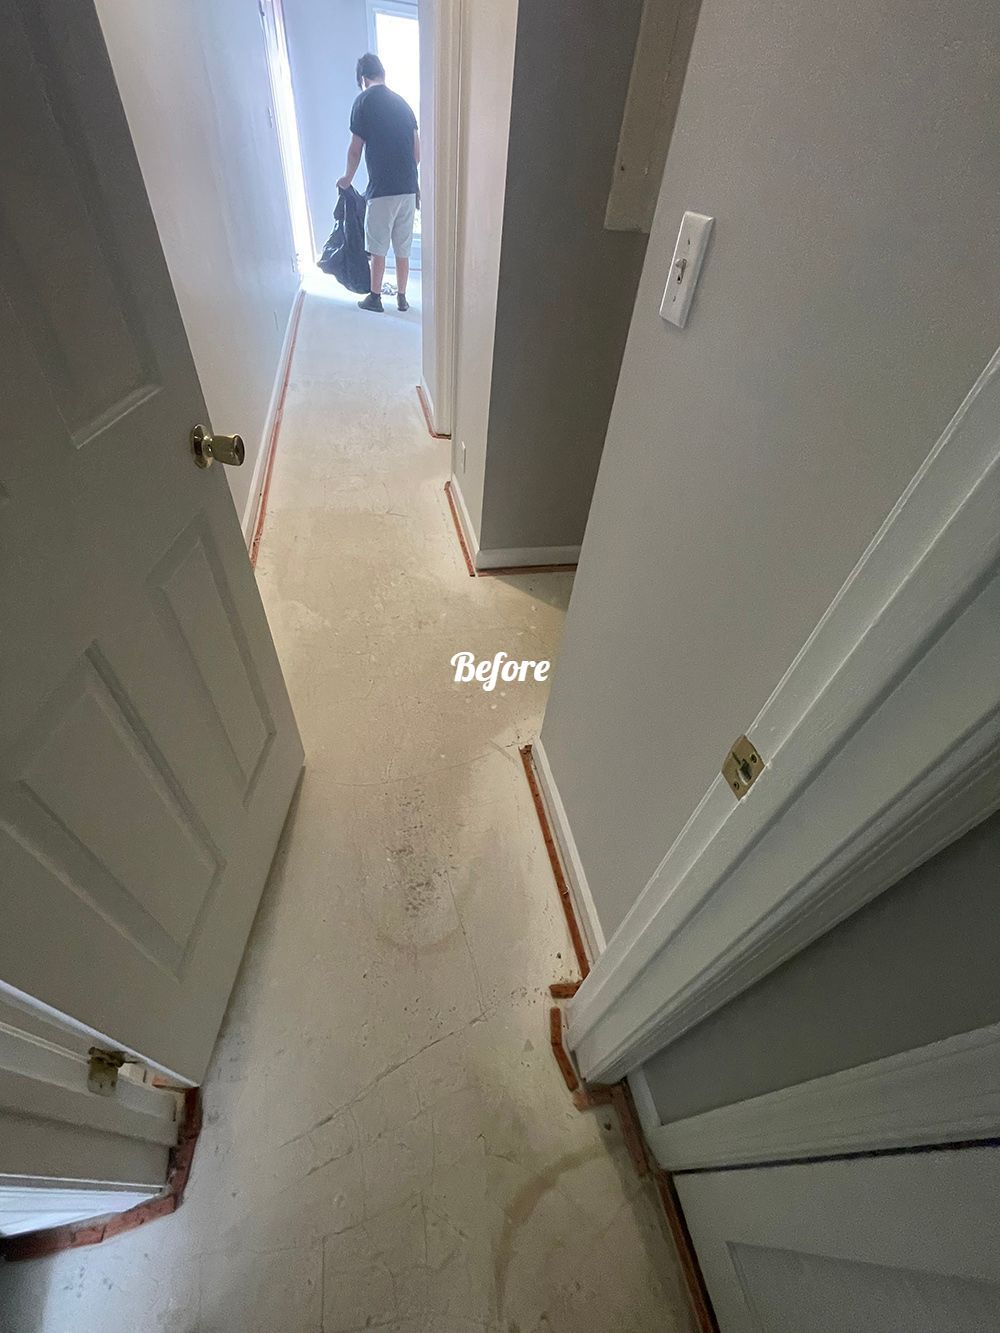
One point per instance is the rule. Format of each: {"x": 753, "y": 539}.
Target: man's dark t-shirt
{"x": 386, "y": 123}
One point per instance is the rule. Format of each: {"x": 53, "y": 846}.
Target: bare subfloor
{"x": 387, "y": 1141}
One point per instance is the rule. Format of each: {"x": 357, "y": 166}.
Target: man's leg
{"x": 373, "y": 301}
{"x": 377, "y": 228}
{"x": 402, "y": 239}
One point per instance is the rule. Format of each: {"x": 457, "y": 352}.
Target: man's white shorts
{"x": 390, "y": 218}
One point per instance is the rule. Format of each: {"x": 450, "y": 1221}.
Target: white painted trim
{"x": 428, "y": 397}
{"x": 947, "y": 1092}
{"x": 32, "y": 1206}
{"x": 57, "y": 1150}
{"x": 52, "y": 1127}
{"x": 645, "y": 1106}
{"x": 511, "y": 557}
{"x": 464, "y": 518}
{"x": 252, "y": 508}
{"x": 882, "y": 744}
{"x": 441, "y": 330}
{"x": 406, "y": 9}
{"x": 583, "y": 899}
{"x": 41, "y": 1079}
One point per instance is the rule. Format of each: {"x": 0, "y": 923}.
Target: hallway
{"x": 387, "y": 1143}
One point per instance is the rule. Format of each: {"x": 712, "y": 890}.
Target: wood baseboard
{"x": 619, "y": 1095}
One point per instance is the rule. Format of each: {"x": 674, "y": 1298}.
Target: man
{"x": 385, "y": 127}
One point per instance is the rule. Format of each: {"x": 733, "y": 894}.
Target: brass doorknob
{"x": 208, "y": 447}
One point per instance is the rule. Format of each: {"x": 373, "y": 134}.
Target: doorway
{"x": 286, "y": 128}
{"x": 394, "y": 36}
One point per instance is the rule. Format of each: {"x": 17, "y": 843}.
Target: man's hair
{"x": 370, "y": 67}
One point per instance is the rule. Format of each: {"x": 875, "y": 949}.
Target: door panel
{"x": 901, "y": 1244}
{"x": 148, "y": 751}
{"x": 88, "y": 335}
{"x": 88, "y": 754}
{"x": 195, "y": 609}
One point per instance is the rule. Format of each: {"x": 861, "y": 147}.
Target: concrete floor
{"x": 387, "y": 1142}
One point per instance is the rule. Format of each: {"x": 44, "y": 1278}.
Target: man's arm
{"x": 353, "y": 162}
{"x": 416, "y": 158}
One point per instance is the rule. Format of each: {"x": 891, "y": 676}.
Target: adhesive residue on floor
{"x": 387, "y": 1141}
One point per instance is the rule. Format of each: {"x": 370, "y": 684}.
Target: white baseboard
{"x": 252, "y": 507}
{"x": 513, "y": 557}
{"x": 645, "y": 1106}
{"x": 464, "y": 518}
{"x": 583, "y": 901}
{"x": 429, "y": 410}
{"x": 428, "y": 397}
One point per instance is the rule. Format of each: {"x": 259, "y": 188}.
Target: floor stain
{"x": 524, "y": 1203}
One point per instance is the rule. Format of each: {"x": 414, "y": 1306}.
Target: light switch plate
{"x": 692, "y": 241}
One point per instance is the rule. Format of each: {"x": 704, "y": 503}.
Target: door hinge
{"x": 102, "y": 1070}
{"x": 742, "y": 766}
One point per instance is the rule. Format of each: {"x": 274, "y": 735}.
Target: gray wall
{"x": 847, "y": 304}
{"x": 917, "y": 965}
{"x": 566, "y": 285}
{"x": 194, "y": 83}
{"x": 325, "y": 38}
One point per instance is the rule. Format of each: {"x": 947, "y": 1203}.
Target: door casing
{"x": 881, "y": 743}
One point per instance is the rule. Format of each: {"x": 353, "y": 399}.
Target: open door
{"x": 906, "y": 1244}
{"x": 148, "y": 752}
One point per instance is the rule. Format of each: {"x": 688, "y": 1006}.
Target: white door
{"x": 894, "y": 1244}
{"x": 148, "y": 751}
{"x": 64, "y": 1149}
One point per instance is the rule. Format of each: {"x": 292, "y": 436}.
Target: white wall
{"x": 440, "y": 51}
{"x": 194, "y": 83}
{"x": 489, "y": 29}
{"x": 435, "y": 16}
{"x": 847, "y": 304}
{"x": 325, "y": 38}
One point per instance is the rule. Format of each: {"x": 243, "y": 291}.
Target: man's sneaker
{"x": 371, "y": 302}
{"x": 401, "y": 302}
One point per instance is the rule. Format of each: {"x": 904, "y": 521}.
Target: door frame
{"x": 404, "y": 8}
{"x": 284, "y": 117}
{"x": 407, "y": 9}
{"x": 881, "y": 744}
{"x": 58, "y": 1134}
{"x": 945, "y": 1092}
{"x": 440, "y": 200}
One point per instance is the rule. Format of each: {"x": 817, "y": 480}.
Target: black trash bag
{"x": 344, "y": 256}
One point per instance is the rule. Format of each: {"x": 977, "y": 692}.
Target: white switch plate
{"x": 692, "y": 241}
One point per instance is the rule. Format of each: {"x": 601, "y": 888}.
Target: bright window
{"x": 397, "y": 44}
